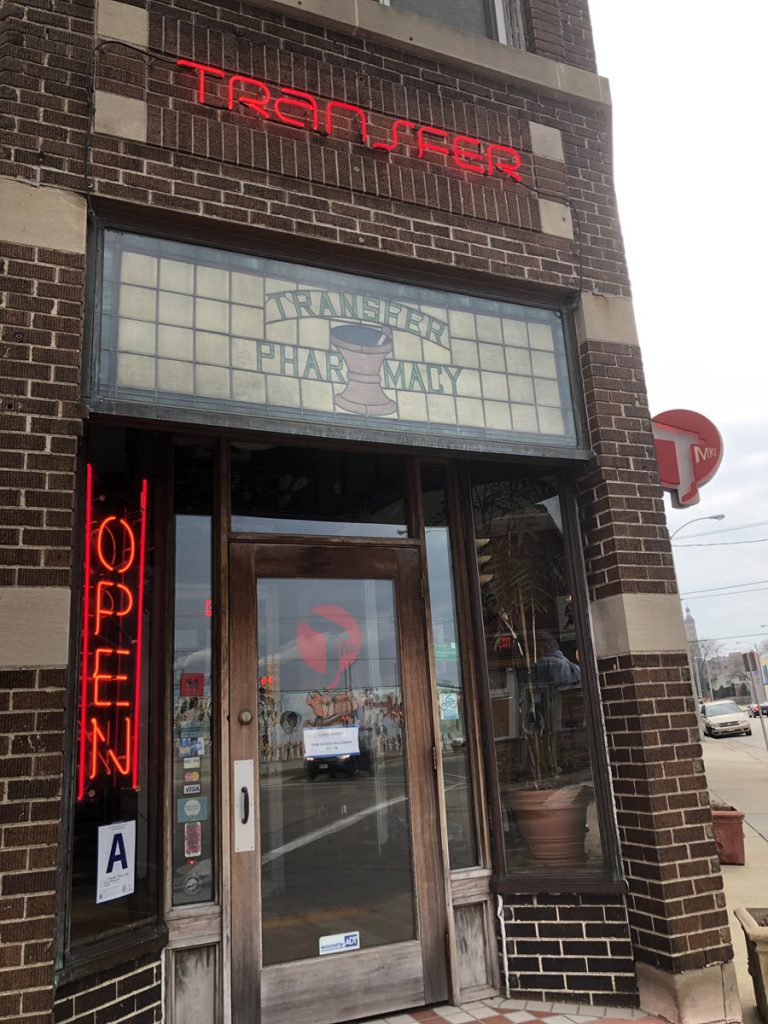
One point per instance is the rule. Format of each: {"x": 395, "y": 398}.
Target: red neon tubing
{"x": 84, "y": 669}
{"x": 139, "y": 631}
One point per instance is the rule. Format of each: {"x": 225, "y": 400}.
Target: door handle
{"x": 243, "y": 784}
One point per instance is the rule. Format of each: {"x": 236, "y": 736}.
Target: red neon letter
{"x": 248, "y": 101}
{"x": 86, "y": 625}
{"x": 470, "y": 160}
{"x": 507, "y": 168}
{"x": 432, "y": 147}
{"x": 304, "y": 101}
{"x": 109, "y": 755}
{"x": 395, "y": 140}
{"x": 98, "y": 676}
{"x": 203, "y": 69}
{"x": 102, "y": 590}
{"x": 346, "y": 106}
{"x": 104, "y": 556}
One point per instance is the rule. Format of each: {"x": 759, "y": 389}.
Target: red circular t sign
{"x": 689, "y": 449}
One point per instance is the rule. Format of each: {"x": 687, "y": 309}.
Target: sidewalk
{"x": 737, "y": 773}
{"x": 518, "y": 1011}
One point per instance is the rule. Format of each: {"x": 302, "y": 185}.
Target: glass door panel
{"x": 336, "y": 858}
{"x": 338, "y": 895}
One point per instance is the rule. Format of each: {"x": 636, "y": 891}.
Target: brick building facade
{"x": 455, "y": 191}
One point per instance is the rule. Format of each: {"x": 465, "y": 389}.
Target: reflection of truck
{"x": 336, "y": 750}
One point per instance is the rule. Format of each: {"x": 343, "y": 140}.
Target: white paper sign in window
{"x": 116, "y": 861}
{"x": 331, "y": 741}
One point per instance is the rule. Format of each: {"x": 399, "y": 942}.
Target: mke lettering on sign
{"x": 113, "y": 600}
{"x": 689, "y": 450}
{"x": 301, "y": 109}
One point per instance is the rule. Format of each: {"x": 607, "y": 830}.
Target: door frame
{"x": 354, "y": 558}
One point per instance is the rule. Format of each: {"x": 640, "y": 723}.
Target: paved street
{"x": 737, "y": 771}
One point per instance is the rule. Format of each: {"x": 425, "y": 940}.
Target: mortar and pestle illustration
{"x": 363, "y": 350}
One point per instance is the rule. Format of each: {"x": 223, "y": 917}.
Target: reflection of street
{"x": 335, "y": 857}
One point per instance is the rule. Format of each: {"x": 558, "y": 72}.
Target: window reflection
{"x": 335, "y": 810}
{"x": 192, "y": 867}
{"x": 315, "y": 492}
{"x": 462, "y": 841}
{"x": 539, "y": 720}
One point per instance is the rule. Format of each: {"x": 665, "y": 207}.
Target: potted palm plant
{"x": 550, "y": 813}
{"x": 522, "y": 572}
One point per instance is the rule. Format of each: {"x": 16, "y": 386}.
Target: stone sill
{"x": 430, "y": 39}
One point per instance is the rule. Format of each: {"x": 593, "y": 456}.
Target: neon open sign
{"x": 113, "y": 599}
{"x": 301, "y": 109}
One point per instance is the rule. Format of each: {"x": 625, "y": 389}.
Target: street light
{"x": 699, "y": 519}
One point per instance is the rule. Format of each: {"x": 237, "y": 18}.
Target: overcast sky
{"x": 688, "y": 85}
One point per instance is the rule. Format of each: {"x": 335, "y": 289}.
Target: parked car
{"x": 755, "y": 710}
{"x": 725, "y": 718}
{"x": 339, "y": 764}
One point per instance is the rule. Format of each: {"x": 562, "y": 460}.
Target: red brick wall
{"x": 130, "y": 992}
{"x": 560, "y": 30}
{"x": 227, "y": 166}
{"x": 41, "y": 296}
{"x": 224, "y": 168}
{"x": 562, "y": 948}
{"x": 677, "y": 909}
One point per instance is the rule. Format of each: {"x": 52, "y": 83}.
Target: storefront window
{"x": 548, "y": 806}
{"x": 322, "y": 493}
{"x": 472, "y": 16}
{"x": 192, "y": 742}
{"x": 462, "y": 840}
{"x": 114, "y": 835}
{"x": 279, "y": 347}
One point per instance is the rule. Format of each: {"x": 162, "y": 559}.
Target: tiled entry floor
{"x": 518, "y": 1011}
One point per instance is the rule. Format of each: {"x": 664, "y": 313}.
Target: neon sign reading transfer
{"x": 301, "y": 109}
{"x": 110, "y": 678}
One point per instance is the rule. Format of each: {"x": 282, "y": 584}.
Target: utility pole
{"x": 752, "y": 665}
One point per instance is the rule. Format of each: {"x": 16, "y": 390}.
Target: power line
{"x": 721, "y": 543}
{"x": 735, "y": 636}
{"x": 737, "y": 593}
{"x": 726, "y": 586}
{"x": 729, "y": 529}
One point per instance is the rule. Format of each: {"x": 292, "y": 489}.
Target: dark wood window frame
{"x": 398, "y": 270}
{"x": 110, "y": 948}
{"x": 504, "y": 881}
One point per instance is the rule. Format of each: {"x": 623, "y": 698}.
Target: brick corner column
{"x": 676, "y": 905}
{"x": 42, "y": 278}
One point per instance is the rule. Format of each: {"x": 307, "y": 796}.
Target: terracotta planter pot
{"x": 755, "y": 925}
{"x": 553, "y": 824}
{"x": 728, "y": 826}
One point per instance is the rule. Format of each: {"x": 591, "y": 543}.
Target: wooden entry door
{"x": 338, "y": 898}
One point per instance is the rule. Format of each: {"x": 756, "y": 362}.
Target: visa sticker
{"x": 189, "y": 790}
